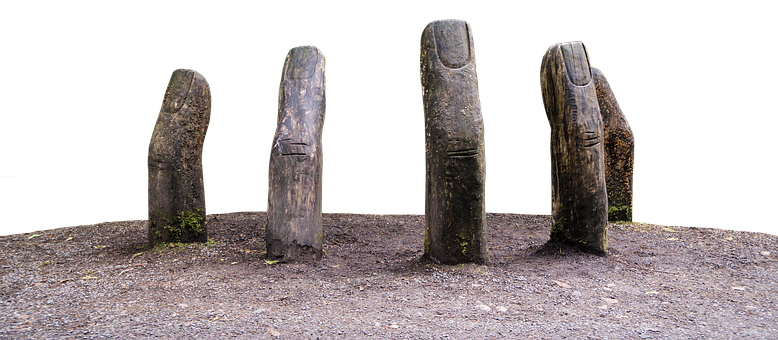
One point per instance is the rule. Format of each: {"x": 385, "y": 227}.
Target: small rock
{"x": 273, "y": 332}
{"x": 610, "y": 301}
{"x": 480, "y": 305}
{"x": 739, "y": 288}
{"x": 562, "y": 284}
{"x": 395, "y": 326}
{"x": 502, "y": 309}
{"x": 765, "y": 253}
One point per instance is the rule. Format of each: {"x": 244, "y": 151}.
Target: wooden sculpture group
{"x": 592, "y": 153}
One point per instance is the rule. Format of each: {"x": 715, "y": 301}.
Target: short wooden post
{"x": 294, "y": 226}
{"x": 619, "y": 151}
{"x": 579, "y": 199}
{"x": 176, "y": 191}
{"x": 455, "y": 214}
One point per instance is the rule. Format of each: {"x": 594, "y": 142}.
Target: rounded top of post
{"x": 178, "y": 90}
{"x": 452, "y": 42}
{"x": 301, "y": 62}
{"x": 576, "y": 61}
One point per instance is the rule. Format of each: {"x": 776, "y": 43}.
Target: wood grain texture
{"x": 455, "y": 214}
{"x": 579, "y": 198}
{"x": 294, "y": 225}
{"x": 176, "y": 190}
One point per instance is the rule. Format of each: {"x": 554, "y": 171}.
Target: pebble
{"x": 610, "y": 301}
{"x": 480, "y": 305}
{"x": 765, "y": 253}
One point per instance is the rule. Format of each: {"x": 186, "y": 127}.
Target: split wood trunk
{"x": 455, "y": 214}
{"x": 294, "y": 226}
{"x": 619, "y": 151}
{"x": 176, "y": 191}
{"x": 579, "y": 199}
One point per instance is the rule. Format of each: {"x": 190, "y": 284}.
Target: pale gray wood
{"x": 294, "y": 226}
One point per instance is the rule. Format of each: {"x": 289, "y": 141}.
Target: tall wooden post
{"x": 294, "y": 226}
{"x": 579, "y": 199}
{"x": 619, "y": 151}
{"x": 176, "y": 191}
{"x": 455, "y": 214}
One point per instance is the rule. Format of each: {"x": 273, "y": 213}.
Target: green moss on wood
{"x": 185, "y": 221}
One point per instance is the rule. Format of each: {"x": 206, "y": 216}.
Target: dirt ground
{"x": 657, "y": 282}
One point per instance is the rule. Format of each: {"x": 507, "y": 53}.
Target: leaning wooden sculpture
{"x": 619, "y": 151}
{"x": 176, "y": 191}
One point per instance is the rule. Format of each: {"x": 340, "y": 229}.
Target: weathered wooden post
{"x": 579, "y": 199}
{"x": 455, "y": 214}
{"x": 619, "y": 151}
{"x": 294, "y": 218}
{"x": 176, "y": 192}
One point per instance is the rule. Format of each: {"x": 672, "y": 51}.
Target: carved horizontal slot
{"x": 468, "y": 153}
{"x": 592, "y": 141}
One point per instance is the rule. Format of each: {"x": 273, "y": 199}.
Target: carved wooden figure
{"x": 294, "y": 226}
{"x": 619, "y": 151}
{"x": 176, "y": 192}
{"x": 455, "y": 215}
{"x": 579, "y": 199}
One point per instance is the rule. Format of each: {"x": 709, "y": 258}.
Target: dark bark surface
{"x": 579, "y": 198}
{"x": 619, "y": 151}
{"x": 294, "y": 226}
{"x": 455, "y": 215}
{"x": 176, "y": 190}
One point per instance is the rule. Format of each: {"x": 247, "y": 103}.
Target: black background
{"x": 83, "y": 99}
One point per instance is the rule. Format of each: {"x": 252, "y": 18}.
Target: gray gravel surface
{"x": 657, "y": 282}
